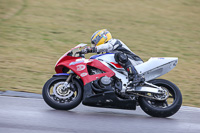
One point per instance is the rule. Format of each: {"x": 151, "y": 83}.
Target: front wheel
{"x": 56, "y": 95}
{"x": 164, "y": 108}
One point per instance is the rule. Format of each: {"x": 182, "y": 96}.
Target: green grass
{"x": 35, "y": 33}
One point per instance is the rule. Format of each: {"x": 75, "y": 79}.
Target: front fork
{"x": 66, "y": 84}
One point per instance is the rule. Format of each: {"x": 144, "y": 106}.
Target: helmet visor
{"x": 96, "y": 40}
{"x": 92, "y": 42}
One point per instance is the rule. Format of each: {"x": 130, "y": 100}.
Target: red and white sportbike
{"x": 101, "y": 82}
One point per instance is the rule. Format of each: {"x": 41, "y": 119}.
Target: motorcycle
{"x": 101, "y": 82}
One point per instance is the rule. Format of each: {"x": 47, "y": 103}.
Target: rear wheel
{"x": 165, "y": 108}
{"x": 56, "y": 95}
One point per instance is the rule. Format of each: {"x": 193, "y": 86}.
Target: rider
{"x": 103, "y": 42}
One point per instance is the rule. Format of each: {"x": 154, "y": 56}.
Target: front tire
{"x": 63, "y": 100}
{"x": 164, "y": 108}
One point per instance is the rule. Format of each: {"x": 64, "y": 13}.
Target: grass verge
{"x": 34, "y": 34}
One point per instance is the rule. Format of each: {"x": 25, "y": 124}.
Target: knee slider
{"x": 121, "y": 58}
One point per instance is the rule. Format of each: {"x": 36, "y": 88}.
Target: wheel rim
{"x": 58, "y": 93}
{"x": 163, "y": 103}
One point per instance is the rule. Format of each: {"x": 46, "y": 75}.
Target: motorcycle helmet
{"x": 101, "y": 37}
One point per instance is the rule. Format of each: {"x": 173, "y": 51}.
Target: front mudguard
{"x": 66, "y": 75}
{"x": 61, "y": 74}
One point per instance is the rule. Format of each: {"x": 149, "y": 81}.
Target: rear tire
{"x": 68, "y": 100}
{"x": 162, "y": 108}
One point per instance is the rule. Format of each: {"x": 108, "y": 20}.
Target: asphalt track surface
{"x": 33, "y": 115}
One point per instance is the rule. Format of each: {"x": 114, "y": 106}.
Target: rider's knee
{"x": 121, "y": 58}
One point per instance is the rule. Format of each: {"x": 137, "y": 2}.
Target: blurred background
{"x": 35, "y": 33}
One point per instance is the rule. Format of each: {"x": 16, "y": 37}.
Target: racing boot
{"x": 134, "y": 80}
{"x": 130, "y": 84}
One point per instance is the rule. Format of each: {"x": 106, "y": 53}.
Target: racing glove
{"x": 89, "y": 50}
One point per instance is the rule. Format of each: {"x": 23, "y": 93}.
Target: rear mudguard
{"x": 79, "y": 67}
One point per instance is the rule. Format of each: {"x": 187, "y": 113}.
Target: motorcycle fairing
{"x": 98, "y": 55}
{"x": 107, "y": 99}
{"x": 151, "y": 69}
{"x": 156, "y": 67}
{"x": 79, "y": 66}
{"x": 108, "y": 58}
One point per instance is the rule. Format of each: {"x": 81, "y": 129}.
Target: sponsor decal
{"x": 87, "y": 61}
{"x": 83, "y": 74}
{"x": 76, "y": 62}
{"x": 80, "y": 61}
{"x": 80, "y": 67}
{"x": 104, "y": 36}
{"x": 84, "y": 60}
